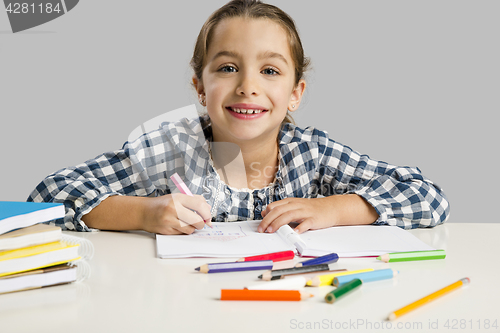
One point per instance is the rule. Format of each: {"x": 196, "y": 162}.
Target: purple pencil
{"x": 236, "y": 266}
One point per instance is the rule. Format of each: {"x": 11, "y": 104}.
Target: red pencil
{"x": 276, "y": 256}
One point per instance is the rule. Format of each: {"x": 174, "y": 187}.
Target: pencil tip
{"x": 260, "y": 276}
{"x": 197, "y": 269}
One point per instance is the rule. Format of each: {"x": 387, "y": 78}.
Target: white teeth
{"x": 246, "y": 111}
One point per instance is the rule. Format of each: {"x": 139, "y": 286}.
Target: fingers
{"x": 179, "y": 231}
{"x": 271, "y": 206}
{"x": 280, "y": 214}
{"x": 173, "y": 214}
{"x": 183, "y": 228}
{"x": 192, "y": 211}
{"x": 304, "y": 226}
{"x": 307, "y": 213}
{"x": 187, "y": 217}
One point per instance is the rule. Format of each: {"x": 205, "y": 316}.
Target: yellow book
{"x": 38, "y": 256}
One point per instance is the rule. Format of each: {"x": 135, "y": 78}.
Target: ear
{"x": 296, "y": 96}
{"x": 198, "y": 85}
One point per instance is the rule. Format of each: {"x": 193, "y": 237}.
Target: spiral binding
{"x": 86, "y": 248}
{"x": 82, "y": 269}
{"x": 85, "y": 251}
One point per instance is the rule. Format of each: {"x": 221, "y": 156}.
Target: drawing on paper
{"x": 221, "y": 233}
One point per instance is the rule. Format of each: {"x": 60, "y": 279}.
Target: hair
{"x": 254, "y": 9}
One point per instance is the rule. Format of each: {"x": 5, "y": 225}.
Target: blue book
{"x": 15, "y": 215}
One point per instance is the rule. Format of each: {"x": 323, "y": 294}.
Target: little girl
{"x": 248, "y": 67}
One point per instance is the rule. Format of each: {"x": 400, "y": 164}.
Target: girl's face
{"x": 248, "y": 80}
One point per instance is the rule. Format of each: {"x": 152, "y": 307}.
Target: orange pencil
{"x": 262, "y": 295}
{"x": 428, "y": 298}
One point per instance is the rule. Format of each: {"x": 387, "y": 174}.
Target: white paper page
{"x": 357, "y": 241}
{"x": 232, "y": 239}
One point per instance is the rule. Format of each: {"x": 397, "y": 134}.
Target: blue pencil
{"x": 236, "y": 266}
{"x": 380, "y": 274}
{"x": 326, "y": 259}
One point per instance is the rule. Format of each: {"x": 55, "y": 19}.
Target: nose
{"x": 248, "y": 85}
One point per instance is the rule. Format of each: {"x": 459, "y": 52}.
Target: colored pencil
{"x": 327, "y": 279}
{"x": 428, "y": 298}
{"x": 295, "y": 270}
{"x": 414, "y": 255}
{"x": 263, "y": 295}
{"x": 345, "y": 289}
{"x": 224, "y": 267}
{"x": 327, "y": 259}
{"x": 276, "y": 256}
{"x": 181, "y": 186}
{"x": 278, "y": 277}
{"x": 290, "y": 283}
{"x": 380, "y": 274}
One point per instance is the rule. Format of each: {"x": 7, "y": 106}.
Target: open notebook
{"x": 241, "y": 239}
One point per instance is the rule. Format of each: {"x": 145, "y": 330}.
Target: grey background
{"x": 408, "y": 82}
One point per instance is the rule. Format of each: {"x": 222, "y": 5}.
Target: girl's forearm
{"x": 351, "y": 209}
{"x": 117, "y": 213}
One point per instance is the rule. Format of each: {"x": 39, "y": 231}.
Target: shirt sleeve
{"x": 402, "y": 196}
{"x": 135, "y": 170}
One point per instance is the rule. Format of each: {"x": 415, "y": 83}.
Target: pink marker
{"x": 182, "y": 187}
{"x": 180, "y": 184}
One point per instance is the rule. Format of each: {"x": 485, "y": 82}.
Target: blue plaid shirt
{"x": 311, "y": 164}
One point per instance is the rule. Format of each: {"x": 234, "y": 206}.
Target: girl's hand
{"x": 314, "y": 213}
{"x": 175, "y": 214}
{"x": 317, "y": 213}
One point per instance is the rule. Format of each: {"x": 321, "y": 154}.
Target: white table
{"x": 130, "y": 290}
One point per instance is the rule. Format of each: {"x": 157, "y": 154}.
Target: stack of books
{"x": 33, "y": 254}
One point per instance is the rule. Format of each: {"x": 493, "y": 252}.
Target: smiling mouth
{"x": 245, "y": 111}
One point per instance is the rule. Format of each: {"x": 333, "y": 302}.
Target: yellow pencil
{"x": 429, "y": 298}
{"x": 327, "y": 279}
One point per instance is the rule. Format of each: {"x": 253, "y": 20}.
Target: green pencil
{"x": 343, "y": 290}
{"x": 414, "y": 255}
